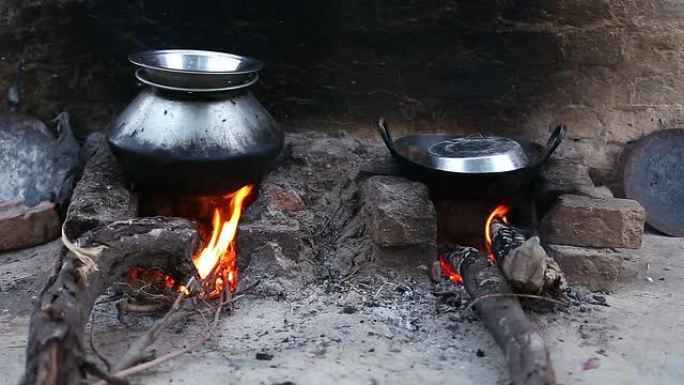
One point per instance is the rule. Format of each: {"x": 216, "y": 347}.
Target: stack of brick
{"x": 585, "y": 228}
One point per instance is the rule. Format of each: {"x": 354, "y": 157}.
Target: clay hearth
{"x": 336, "y": 216}
{"x": 311, "y": 221}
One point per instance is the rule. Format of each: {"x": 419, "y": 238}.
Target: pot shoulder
{"x": 199, "y": 127}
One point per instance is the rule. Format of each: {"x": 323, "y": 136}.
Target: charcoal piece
{"x": 505, "y": 239}
{"x": 262, "y": 356}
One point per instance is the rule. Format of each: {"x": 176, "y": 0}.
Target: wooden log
{"x": 505, "y": 238}
{"x": 498, "y": 308}
{"x": 523, "y": 261}
{"x": 102, "y": 241}
{"x": 100, "y": 197}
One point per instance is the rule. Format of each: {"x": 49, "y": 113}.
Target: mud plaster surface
{"x": 401, "y": 339}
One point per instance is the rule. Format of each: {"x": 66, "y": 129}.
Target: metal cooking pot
{"x": 195, "y": 129}
{"x": 471, "y": 165}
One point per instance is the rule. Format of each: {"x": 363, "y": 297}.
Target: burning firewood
{"x": 103, "y": 241}
{"x": 499, "y": 309}
{"x": 520, "y": 257}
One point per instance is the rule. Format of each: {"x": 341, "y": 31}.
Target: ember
{"x": 449, "y": 271}
{"x": 218, "y": 258}
{"x": 151, "y": 275}
{"x": 499, "y": 212}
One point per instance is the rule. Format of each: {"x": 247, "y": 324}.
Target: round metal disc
{"x": 654, "y": 176}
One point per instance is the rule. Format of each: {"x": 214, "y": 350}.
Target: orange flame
{"x": 448, "y": 270}
{"x": 219, "y": 255}
{"x": 500, "y": 212}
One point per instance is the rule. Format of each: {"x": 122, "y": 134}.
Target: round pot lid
{"x": 654, "y": 176}
{"x": 477, "y": 154}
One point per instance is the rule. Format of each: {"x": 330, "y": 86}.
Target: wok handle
{"x": 555, "y": 140}
{"x": 386, "y": 136}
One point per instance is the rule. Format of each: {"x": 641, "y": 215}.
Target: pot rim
{"x": 147, "y": 59}
{"x": 139, "y": 74}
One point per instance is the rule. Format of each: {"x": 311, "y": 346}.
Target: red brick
{"x": 595, "y": 269}
{"x": 595, "y": 222}
{"x": 22, "y": 226}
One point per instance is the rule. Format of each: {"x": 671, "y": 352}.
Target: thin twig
{"x": 169, "y": 356}
{"x": 144, "y": 308}
{"x": 350, "y": 275}
{"x": 106, "y": 377}
{"x": 206, "y": 321}
{"x": 222, "y": 304}
{"x": 495, "y": 295}
{"x": 375, "y": 296}
{"x": 99, "y": 355}
{"x": 135, "y": 352}
{"x": 141, "y": 291}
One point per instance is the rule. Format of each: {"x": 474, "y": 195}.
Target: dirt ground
{"x": 398, "y": 335}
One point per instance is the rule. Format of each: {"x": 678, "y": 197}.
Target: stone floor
{"x": 638, "y": 339}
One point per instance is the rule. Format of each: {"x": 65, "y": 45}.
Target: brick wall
{"x": 609, "y": 69}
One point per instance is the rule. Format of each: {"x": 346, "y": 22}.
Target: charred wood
{"x": 102, "y": 242}
{"x": 100, "y": 197}
{"x": 495, "y": 302}
{"x": 523, "y": 261}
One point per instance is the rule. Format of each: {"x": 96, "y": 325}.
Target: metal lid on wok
{"x": 476, "y": 154}
{"x": 195, "y": 70}
{"x": 469, "y": 154}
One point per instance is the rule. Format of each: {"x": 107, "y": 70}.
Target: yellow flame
{"x": 219, "y": 254}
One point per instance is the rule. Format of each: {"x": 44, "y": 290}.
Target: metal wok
{"x": 471, "y": 165}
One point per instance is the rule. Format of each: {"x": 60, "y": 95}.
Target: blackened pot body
{"x": 204, "y": 143}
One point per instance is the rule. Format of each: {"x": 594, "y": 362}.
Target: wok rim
{"x": 535, "y": 152}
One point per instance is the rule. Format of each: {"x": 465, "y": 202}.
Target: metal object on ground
{"x": 458, "y": 162}
{"x": 654, "y": 176}
{"x": 37, "y": 164}
{"x": 206, "y": 142}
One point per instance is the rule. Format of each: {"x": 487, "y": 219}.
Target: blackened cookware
{"x": 195, "y": 129}
{"x": 471, "y": 165}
